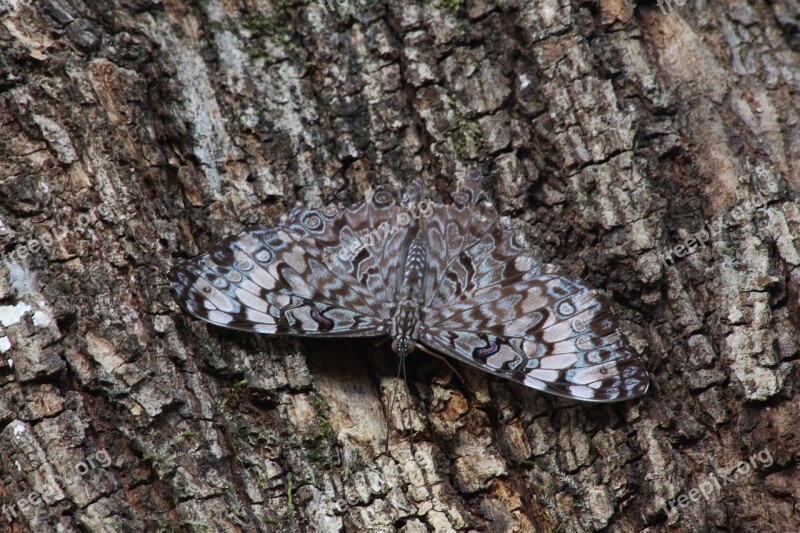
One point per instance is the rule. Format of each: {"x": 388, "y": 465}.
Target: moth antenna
{"x": 400, "y": 366}
{"x": 408, "y": 395}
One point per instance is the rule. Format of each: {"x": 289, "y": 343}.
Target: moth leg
{"x": 436, "y": 355}
{"x": 382, "y": 342}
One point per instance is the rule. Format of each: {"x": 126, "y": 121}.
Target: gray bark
{"x": 137, "y": 133}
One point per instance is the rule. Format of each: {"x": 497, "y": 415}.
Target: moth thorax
{"x": 413, "y": 282}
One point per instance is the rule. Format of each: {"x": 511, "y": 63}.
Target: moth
{"x": 448, "y": 279}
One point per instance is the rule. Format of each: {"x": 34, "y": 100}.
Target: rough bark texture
{"x": 140, "y": 132}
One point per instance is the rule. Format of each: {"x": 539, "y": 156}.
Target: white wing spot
{"x": 218, "y": 317}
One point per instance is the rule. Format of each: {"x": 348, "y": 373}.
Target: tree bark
{"x": 139, "y": 132}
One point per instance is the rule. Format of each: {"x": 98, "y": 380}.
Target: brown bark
{"x": 137, "y": 133}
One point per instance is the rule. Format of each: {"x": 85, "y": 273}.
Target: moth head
{"x": 403, "y": 346}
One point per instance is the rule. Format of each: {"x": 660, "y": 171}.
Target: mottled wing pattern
{"x": 494, "y": 308}
{"x": 313, "y": 274}
{"x": 470, "y": 248}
